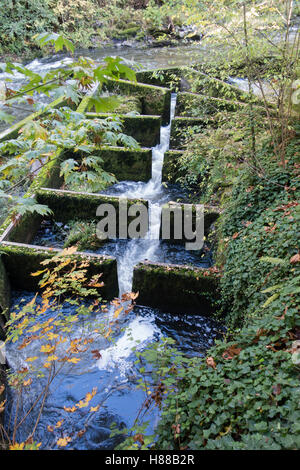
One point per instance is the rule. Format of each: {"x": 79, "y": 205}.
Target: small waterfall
{"x": 140, "y": 249}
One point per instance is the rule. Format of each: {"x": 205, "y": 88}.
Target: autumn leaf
{"x": 74, "y": 360}
{"x": 70, "y": 409}
{"x": 139, "y": 438}
{"x": 63, "y": 441}
{"x": 117, "y": 312}
{"x": 47, "y": 349}
{"x": 295, "y": 259}
{"x": 2, "y": 406}
{"x": 211, "y": 362}
{"x": 96, "y": 354}
{"x": 93, "y": 409}
{"x": 81, "y": 432}
{"x": 231, "y": 352}
{"x": 38, "y": 273}
{"x": 68, "y": 251}
{"x": 28, "y": 382}
{"x": 17, "y": 446}
{"x": 31, "y": 359}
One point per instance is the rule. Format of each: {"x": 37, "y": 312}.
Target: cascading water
{"x": 153, "y": 191}
{"x": 114, "y": 373}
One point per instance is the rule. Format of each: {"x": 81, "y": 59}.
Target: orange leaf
{"x": 295, "y": 259}
{"x": 211, "y": 362}
{"x": 63, "y": 441}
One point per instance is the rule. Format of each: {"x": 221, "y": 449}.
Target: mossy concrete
{"x": 123, "y": 163}
{"x": 193, "y": 104}
{"x": 176, "y": 289}
{"x": 72, "y": 205}
{"x": 21, "y": 260}
{"x": 170, "y": 77}
{"x": 185, "y": 79}
{"x": 128, "y": 104}
{"x": 155, "y": 100}
{"x": 127, "y": 164}
{"x": 144, "y": 129}
{"x": 5, "y": 293}
{"x": 211, "y": 214}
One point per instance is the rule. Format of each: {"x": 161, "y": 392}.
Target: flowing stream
{"x": 114, "y": 373}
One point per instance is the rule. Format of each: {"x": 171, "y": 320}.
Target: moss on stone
{"x": 124, "y": 163}
{"x": 126, "y": 33}
{"x": 155, "y": 100}
{"x": 144, "y": 129}
{"x": 169, "y": 77}
{"x": 28, "y": 258}
{"x": 4, "y": 295}
{"x": 176, "y": 289}
{"x": 211, "y": 214}
{"x": 71, "y": 205}
{"x": 192, "y": 105}
{"x": 128, "y": 104}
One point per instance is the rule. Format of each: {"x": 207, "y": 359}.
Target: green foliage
{"x": 61, "y": 130}
{"x": 248, "y": 271}
{"x": 20, "y": 20}
{"x": 243, "y": 396}
{"x": 83, "y": 236}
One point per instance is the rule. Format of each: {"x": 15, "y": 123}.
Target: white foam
{"x": 138, "y": 333}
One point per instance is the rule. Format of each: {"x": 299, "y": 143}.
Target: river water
{"x": 114, "y": 374}
{"x": 137, "y": 56}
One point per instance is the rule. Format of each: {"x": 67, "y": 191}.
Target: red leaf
{"x": 96, "y": 354}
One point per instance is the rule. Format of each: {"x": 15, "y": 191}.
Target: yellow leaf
{"x": 31, "y": 359}
{"x": 47, "y": 349}
{"x": 117, "y": 312}
{"x": 52, "y": 358}
{"x": 17, "y": 446}
{"x": 63, "y": 441}
{"x": 69, "y": 409}
{"x": 51, "y": 336}
{"x": 27, "y": 382}
{"x": 68, "y": 251}
{"x": 74, "y": 360}
{"x": 94, "y": 408}
{"x": 38, "y": 273}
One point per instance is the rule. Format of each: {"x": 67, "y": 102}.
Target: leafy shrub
{"x": 20, "y": 20}
{"x": 83, "y": 235}
{"x": 244, "y": 395}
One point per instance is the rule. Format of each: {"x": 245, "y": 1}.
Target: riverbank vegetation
{"x": 90, "y": 23}
{"x": 244, "y": 393}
